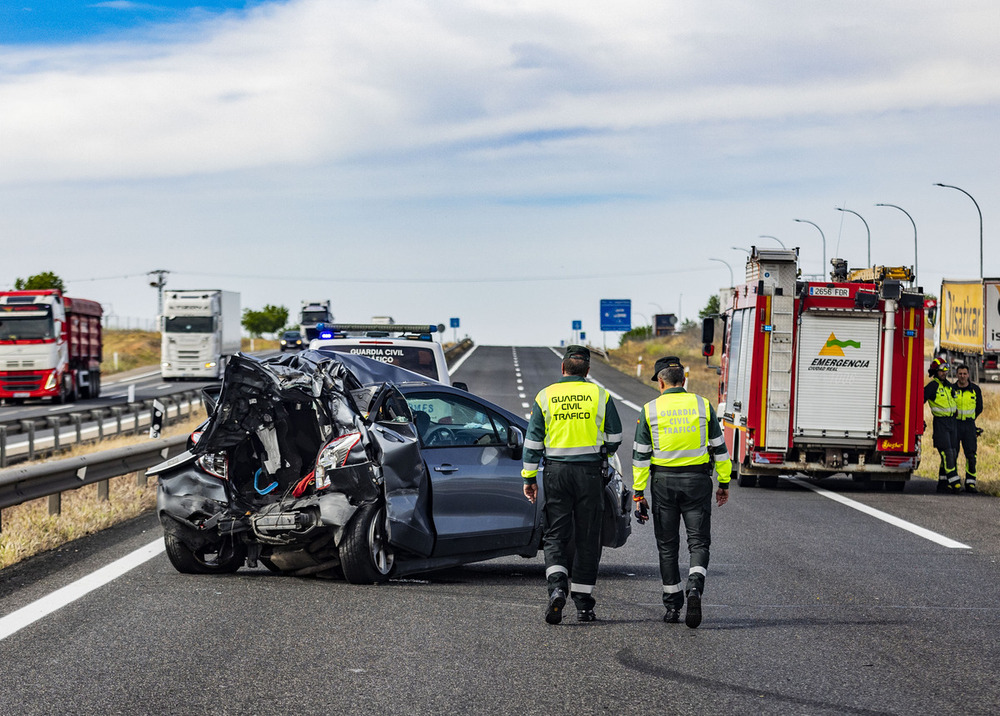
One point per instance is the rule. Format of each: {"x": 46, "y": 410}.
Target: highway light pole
{"x": 765, "y": 236}
{"x": 159, "y": 284}
{"x": 732, "y": 280}
{"x": 949, "y": 186}
{"x": 849, "y": 211}
{"x": 915, "y": 281}
{"x": 740, "y": 248}
{"x": 822, "y": 236}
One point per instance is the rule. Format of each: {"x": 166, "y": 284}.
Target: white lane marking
{"x": 884, "y": 516}
{"x": 164, "y": 387}
{"x": 460, "y": 361}
{"x": 55, "y": 409}
{"x": 525, "y": 405}
{"x": 613, "y": 394}
{"x": 27, "y": 615}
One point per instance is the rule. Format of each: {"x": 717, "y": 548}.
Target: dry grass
{"x": 135, "y": 349}
{"x": 29, "y": 529}
{"x": 702, "y": 379}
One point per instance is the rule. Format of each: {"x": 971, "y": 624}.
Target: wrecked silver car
{"x": 342, "y": 466}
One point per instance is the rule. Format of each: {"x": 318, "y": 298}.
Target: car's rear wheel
{"x": 365, "y": 554}
{"x": 211, "y": 559}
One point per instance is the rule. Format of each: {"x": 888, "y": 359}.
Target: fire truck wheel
{"x": 746, "y": 480}
{"x": 768, "y": 481}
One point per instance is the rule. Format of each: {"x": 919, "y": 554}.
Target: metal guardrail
{"x": 50, "y": 479}
{"x": 38, "y": 436}
{"x": 457, "y": 350}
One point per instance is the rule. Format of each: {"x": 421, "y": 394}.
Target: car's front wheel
{"x": 211, "y": 559}
{"x": 365, "y": 554}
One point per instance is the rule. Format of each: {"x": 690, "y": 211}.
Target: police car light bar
{"x": 381, "y": 327}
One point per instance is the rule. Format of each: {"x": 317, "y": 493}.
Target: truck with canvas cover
{"x": 201, "y": 331}
{"x": 821, "y": 377}
{"x": 968, "y": 326}
{"x": 50, "y": 346}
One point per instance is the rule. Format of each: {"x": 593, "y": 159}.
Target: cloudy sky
{"x": 507, "y": 162}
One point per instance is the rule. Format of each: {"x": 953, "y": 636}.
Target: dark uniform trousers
{"x": 677, "y": 496}
{"x": 946, "y": 443}
{"x": 574, "y": 508}
{"x": 966, "y": 433}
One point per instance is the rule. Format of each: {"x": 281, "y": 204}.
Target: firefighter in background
{"x": 575, "y": 425}
{"x": 969, "y": 404}
{"x": 678, "y": 439}
{"x": 940, "y": 395}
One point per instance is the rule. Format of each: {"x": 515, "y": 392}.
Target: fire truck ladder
{"x": 779, "y": 381}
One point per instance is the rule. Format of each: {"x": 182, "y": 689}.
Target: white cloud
{"x": 315, "y": 81}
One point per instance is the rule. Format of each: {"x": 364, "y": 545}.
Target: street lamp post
{"x": 949, "y": 186}
{"x": 915, "y": 281}
{"x": 732, "y": 280}
{"x": 765, "y": 236}
{"x": 822, "y": 236}
{"x": 740, "y": 248}
{"x": 849, "y": 211}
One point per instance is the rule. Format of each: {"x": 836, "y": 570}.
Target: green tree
{"x": 639, "y": 333}
{"x": 39, "y": 282}
{"x": 711, "y": 308}
{"x": 269, "y": 319}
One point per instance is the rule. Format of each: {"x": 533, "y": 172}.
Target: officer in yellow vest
{"x": 940, "y": 395}
{"x": 678, "y": 439}
{"x": 574, "y": 424}
{"x": 968, "y": 404}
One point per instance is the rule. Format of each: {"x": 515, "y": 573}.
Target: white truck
{"x": 201, "y": 329}
{"x": 311, "y": 315}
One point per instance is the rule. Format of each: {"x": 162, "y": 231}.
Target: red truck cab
{"x": 50, "y": 346}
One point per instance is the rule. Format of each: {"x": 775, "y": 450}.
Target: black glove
{"x": 642, "y": 509}
{"x": 979, "y": 432}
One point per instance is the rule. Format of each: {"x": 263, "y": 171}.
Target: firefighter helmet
{"x": 936, "y": 365}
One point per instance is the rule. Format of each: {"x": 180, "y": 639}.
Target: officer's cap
{"x": 581, "y": 352}
{"x": 668, "y": 362}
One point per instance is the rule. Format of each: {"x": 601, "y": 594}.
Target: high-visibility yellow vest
{"x": 574, "y": 418}
{"x": 678, "y": 426}
{"x": 943, "y": 405}
{"x": 965, "y": 403}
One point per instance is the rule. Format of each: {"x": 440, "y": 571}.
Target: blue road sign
{"x": 616, "y": 314}
{"x": 583, "y": 336}
{"x": 454, "y": 323}
{"x": 577, "y": 325}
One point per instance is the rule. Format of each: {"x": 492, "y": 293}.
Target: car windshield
{"x": 189, "y": 324}
{"x": 291, "y": 336}
{"x": 25, "y": 325}
{"x": 416, "y": 358}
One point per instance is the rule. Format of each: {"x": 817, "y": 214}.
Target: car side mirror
{"x": 515, "y": 441}
{"x": 461, "y": 386}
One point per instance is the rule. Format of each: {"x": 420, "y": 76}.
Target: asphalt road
{"x": 812, "y": 607}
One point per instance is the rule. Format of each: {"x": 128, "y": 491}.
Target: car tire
{"x": 224, "y": 559}
{"x": 365, "y": 554}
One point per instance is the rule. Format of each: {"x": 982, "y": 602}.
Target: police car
{"x": 409, "y": 346}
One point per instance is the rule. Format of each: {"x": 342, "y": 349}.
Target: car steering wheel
{"x": 441, "y": 436}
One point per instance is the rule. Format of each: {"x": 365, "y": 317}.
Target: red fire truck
{"x": 822, "y": 377}
{"x": 50, "y": 346}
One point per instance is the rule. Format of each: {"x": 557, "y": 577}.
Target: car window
{"x": 445, "y": 420}
{"x": 419, "y": 359}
